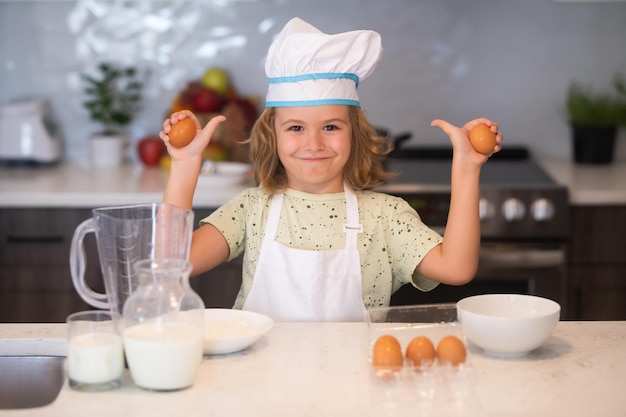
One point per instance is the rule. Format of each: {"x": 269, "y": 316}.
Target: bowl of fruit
{"x": 212, "y": 94}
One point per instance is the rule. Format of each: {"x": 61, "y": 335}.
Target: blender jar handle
{"x": 78, "y": 263}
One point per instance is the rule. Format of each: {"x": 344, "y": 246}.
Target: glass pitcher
{"x": 124, "y": 235}
{"x": 163, "y": 324}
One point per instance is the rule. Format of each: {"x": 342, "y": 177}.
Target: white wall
{"x": 510, "y": 60}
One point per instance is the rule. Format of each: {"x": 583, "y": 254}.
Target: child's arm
{"x": 455, "y": 260}
{"x": 208, "y": 246}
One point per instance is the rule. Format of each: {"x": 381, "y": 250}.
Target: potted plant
{"x": 113, "y": 100}
{"x": 595, "y": 118}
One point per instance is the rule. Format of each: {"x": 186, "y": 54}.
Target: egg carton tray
{"x": 436, "y": 388}
{"x": 434, "y": 321}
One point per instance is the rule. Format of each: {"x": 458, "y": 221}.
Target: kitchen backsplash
{"x": 510, "y": 60}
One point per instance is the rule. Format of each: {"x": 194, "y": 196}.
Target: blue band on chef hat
{"x": 314, "y": 76}
{"x": 314, "y": 102}
{"x": 307, "y": 103}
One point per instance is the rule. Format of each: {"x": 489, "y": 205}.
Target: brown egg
{"x": 482, "y": 139}
{"x": 182, "y": 133}
{"x": 420, "y": 351}
{"x": 387, "y": 353}
{"x": 451, "y": 350}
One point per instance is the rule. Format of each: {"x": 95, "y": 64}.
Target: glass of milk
{"x": 95, "y": 352}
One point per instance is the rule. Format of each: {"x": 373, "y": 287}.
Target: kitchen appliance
{"x": 125, "y": 235}
{"x": 524, "y": 217}
{"x": 28, "y": 133}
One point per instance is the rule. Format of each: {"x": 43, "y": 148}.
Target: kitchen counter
{"x": 589, "y": 185}
{"x": 322, "y": 369}
{"x": 79, "y": 186}
{"x": 72, "y": 185}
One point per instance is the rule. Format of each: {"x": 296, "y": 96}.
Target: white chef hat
{"x": 306, "y": 67}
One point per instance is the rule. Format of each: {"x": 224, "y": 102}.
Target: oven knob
{"x": 485, "y": 209}
{"x": 513, "y": 209}
{"x": 542, "y": 210}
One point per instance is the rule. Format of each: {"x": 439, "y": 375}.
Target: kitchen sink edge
{"x": 33, "y": 364}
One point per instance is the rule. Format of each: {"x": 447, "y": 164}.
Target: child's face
{"x": 314, "y": 145}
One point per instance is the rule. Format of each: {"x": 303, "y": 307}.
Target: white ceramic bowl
{"x": 223, "y": 174}
{"x": 508, "y": 324}
{"x": 229, "y": 330}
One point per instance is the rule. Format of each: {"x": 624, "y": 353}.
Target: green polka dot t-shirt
{"x": 393, "y": 242}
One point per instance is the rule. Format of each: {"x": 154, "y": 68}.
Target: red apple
{"x": 206, "y": 100}
{"x": 185, "y": 97}
{"x": 150, "y": 150}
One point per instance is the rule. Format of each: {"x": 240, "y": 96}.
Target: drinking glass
{"x": 95, "y": 352}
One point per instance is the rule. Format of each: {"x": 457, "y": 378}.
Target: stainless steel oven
{"x": 524, "y": 223}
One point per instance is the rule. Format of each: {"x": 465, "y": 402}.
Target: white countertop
{"x": 322, "y": 369}
{"x": 589, "y": 185}
{"x": 75, "y": 186}
{"x": 70, "y": 185}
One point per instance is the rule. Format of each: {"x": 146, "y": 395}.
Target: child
{"x": 318, "y": 244}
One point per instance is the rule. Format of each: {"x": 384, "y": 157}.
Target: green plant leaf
{"x": 586, "y": 107}
{"x": 114, "y": 98}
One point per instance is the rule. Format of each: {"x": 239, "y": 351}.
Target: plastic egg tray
{"x": 436, "y": 388}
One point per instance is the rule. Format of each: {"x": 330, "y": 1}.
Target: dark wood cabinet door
{"x": 597, "y": 263}
{"x": 35, "y": 280}
{"x": 598, "y": 235}
{"x": 598, "y": 292}
{"x": 220, "y": 286}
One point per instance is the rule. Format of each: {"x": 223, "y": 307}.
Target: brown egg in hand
{"x": 420, "y": 351}
{"x": 182, "y": 133}
{"x": 451, "y": 350}
{"x": 387, "y": 353}
{"x": 482, "y": 138}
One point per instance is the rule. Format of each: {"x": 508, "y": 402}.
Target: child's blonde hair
{"x": 364, "y": 169}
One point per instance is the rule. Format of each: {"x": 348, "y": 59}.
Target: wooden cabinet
{"x": 597, "y": 263}
{"x": 35, "y": 280}
{"x": 218, "y": 287}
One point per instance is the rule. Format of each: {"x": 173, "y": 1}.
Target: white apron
{"x": 304, "y": 285}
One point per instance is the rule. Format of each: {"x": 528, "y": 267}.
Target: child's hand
{"x": 459, "y": 137}
{"x": 199, "y": 142}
